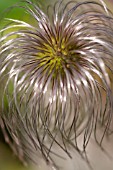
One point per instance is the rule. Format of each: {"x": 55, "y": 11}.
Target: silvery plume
{"x": 56, "y": 77}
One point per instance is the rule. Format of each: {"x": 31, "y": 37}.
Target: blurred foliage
{"x": 8, "y": 161}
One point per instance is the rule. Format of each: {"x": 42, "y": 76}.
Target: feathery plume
{"x": 57, "y": 71}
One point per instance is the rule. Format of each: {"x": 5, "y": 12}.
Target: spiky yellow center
{"x": 54, "y": 53}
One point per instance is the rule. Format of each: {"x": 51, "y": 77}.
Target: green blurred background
{"x": 7, "y": 159}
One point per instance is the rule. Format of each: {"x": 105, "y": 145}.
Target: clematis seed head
{"x": 57, "y": 71}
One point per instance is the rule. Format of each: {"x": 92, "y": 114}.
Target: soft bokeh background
{"x": 7, "y": 159}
